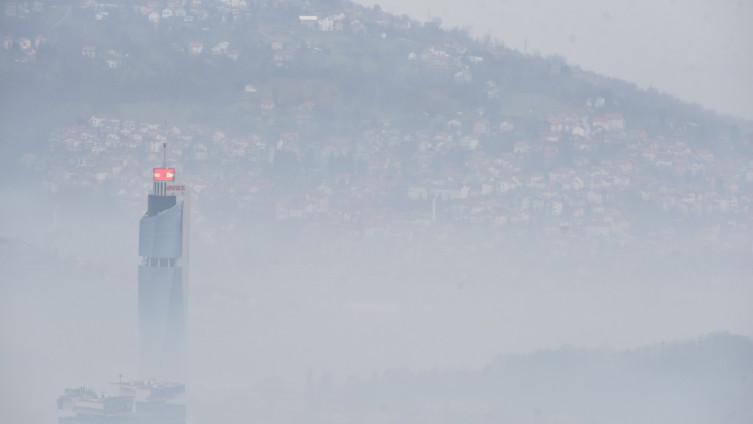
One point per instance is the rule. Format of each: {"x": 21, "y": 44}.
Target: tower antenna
{"x": 164, "y": 154}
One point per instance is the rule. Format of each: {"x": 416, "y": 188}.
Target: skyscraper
{"x": 159, "y": 396}
{"x": 162, "y": 280}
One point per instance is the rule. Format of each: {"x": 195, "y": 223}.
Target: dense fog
{"x": 389, "y": 220}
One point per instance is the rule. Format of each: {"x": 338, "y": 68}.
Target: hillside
{"x": 326, "y": 111}
{"x": 701, "y": 381}
{"x": 357, "y": 61}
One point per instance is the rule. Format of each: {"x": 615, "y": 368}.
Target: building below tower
{"x": 132, "y": 402}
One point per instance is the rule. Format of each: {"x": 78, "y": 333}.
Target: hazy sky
{"x": 698, "y": 50}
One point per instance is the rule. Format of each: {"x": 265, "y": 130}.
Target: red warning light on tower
{"x": 164, "y": 174}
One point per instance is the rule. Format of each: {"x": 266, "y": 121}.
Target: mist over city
{"x": 331, "y": 211}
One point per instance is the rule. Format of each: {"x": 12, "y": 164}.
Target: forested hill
{"x": 332, "y": 112}
{"x": 701, "y": 381}
{"x": 352, "y": 63}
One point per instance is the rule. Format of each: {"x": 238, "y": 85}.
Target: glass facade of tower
{"x": 162, "y": 291}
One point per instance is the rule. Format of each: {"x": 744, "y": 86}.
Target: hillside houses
{"x": 585, "y": 197}
{"x": 347, "y": 115}
{"x": 613, "y": 122}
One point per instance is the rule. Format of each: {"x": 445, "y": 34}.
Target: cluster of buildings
{"x": 196, "y": 17}
{"x": 137, "y": 402}
{"x": 588, "y": 175}
{"x": 584, "y": 170}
